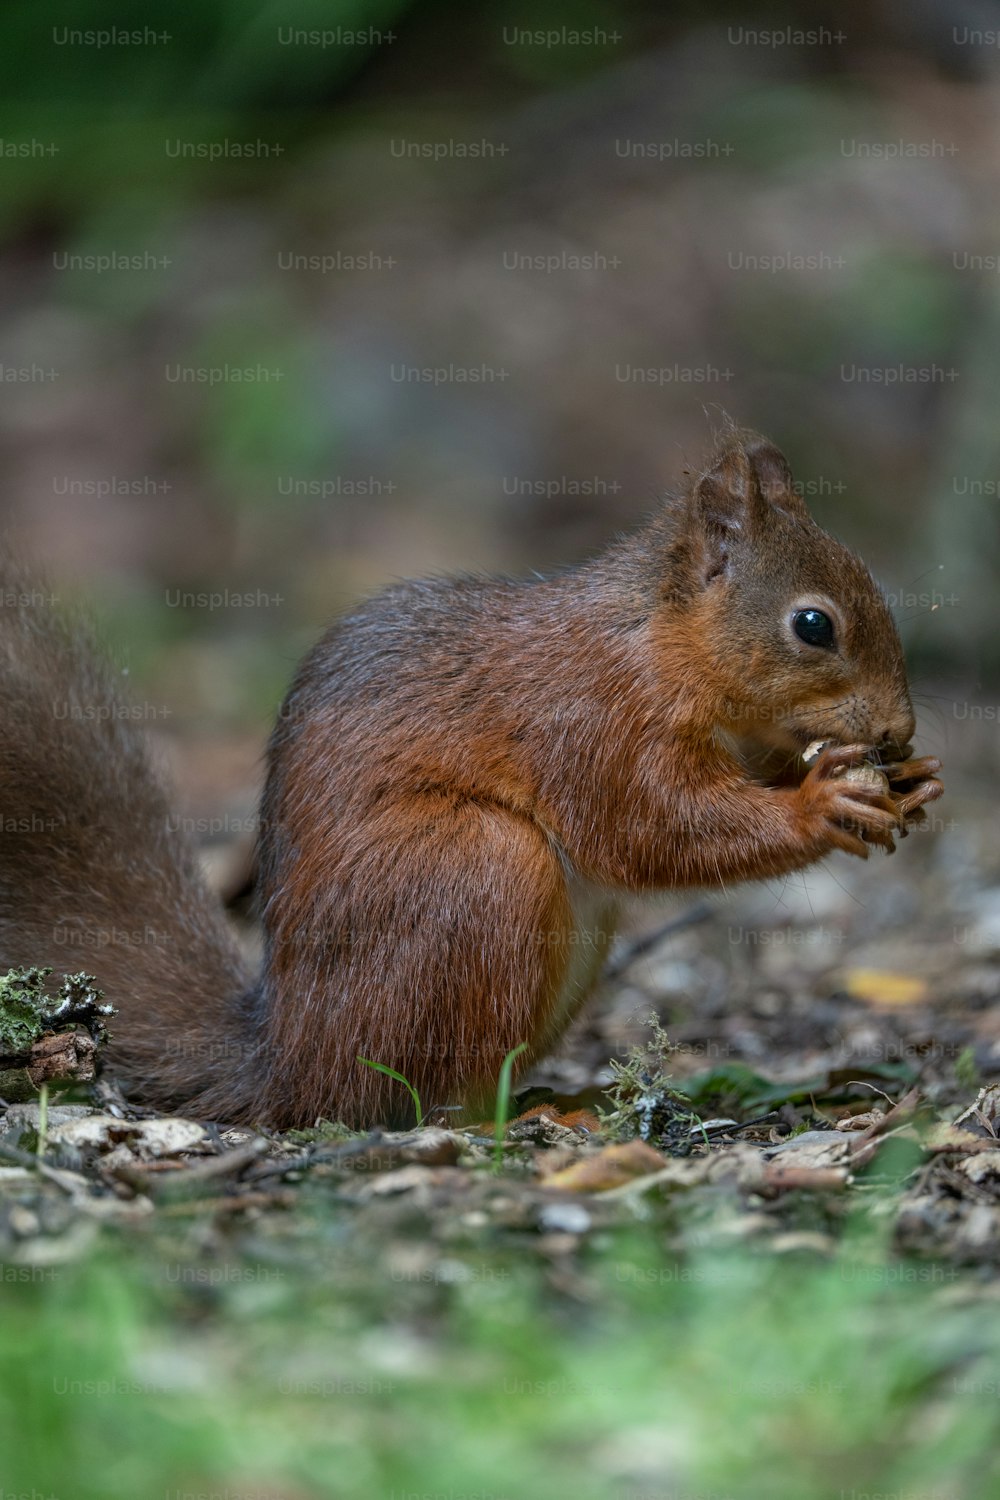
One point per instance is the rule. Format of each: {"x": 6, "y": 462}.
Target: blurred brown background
{"x": 300, "y": 298}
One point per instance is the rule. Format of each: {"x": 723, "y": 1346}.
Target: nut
{"x": 865, "y": 774}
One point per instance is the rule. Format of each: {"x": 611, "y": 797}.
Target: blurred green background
{"x": 232, "y": 233}
{"x": 297, "y": 298}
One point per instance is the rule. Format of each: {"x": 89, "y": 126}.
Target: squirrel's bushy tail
{"x": 97, "y": 875}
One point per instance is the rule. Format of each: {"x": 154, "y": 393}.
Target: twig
{"x": 642, "y": 944}
{"x": 35, "y": 1164}
{"x": 789, "y": 1178}
{"x": 229, "y": 1164}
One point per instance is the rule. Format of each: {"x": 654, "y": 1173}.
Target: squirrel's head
{"x": 801, "y": 642}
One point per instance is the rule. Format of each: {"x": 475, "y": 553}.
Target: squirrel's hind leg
{"x": 443, "y": 944}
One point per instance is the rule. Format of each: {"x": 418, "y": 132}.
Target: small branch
{"x": 642, "y": 944}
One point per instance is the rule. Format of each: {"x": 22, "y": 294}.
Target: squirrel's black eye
{"x": 813, "y": 627}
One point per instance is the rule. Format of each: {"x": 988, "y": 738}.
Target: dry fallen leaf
{"x": 983, "y": 1117}
{"x": 164, "y": 1135}
{"x": 880, "y": 987}
{"x": 861, "y": 1121}
{"x": 610, "y": 1168}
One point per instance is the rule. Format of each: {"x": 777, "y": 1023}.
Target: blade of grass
{"x": 43, "y": 1119}
{"x": 503, "y": 1102}
{"x": 391, "y": 1073}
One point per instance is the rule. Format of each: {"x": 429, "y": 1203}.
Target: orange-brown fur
{"x": 455, "y": 760}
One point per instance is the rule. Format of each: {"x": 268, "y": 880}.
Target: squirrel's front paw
{"x": 914, "y": 783}
{"x": 849, "y": 814}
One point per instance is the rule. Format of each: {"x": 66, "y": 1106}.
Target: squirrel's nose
{"x": 895, "y": 738}
{"x": 893, "y": 749}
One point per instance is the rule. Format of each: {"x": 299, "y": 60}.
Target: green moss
{"x": 645, "y": 1101}
{"x": 27, "y": 1010}
{"x": 323, "y": 1132}
{"x": 23, "y": 1004}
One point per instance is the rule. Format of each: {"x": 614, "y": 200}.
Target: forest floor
{"x": 770, "y": 1272}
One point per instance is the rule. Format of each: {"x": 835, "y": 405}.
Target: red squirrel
{"x": 465, "y": 779}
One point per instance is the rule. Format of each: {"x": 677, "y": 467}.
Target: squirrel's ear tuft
{"x": 769, "y": 465}
{"x": 747, "y": 480}
{"x": 724, "y": 494}
{"x": 773, "y": 476}
{"x": 724, "y": 502}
